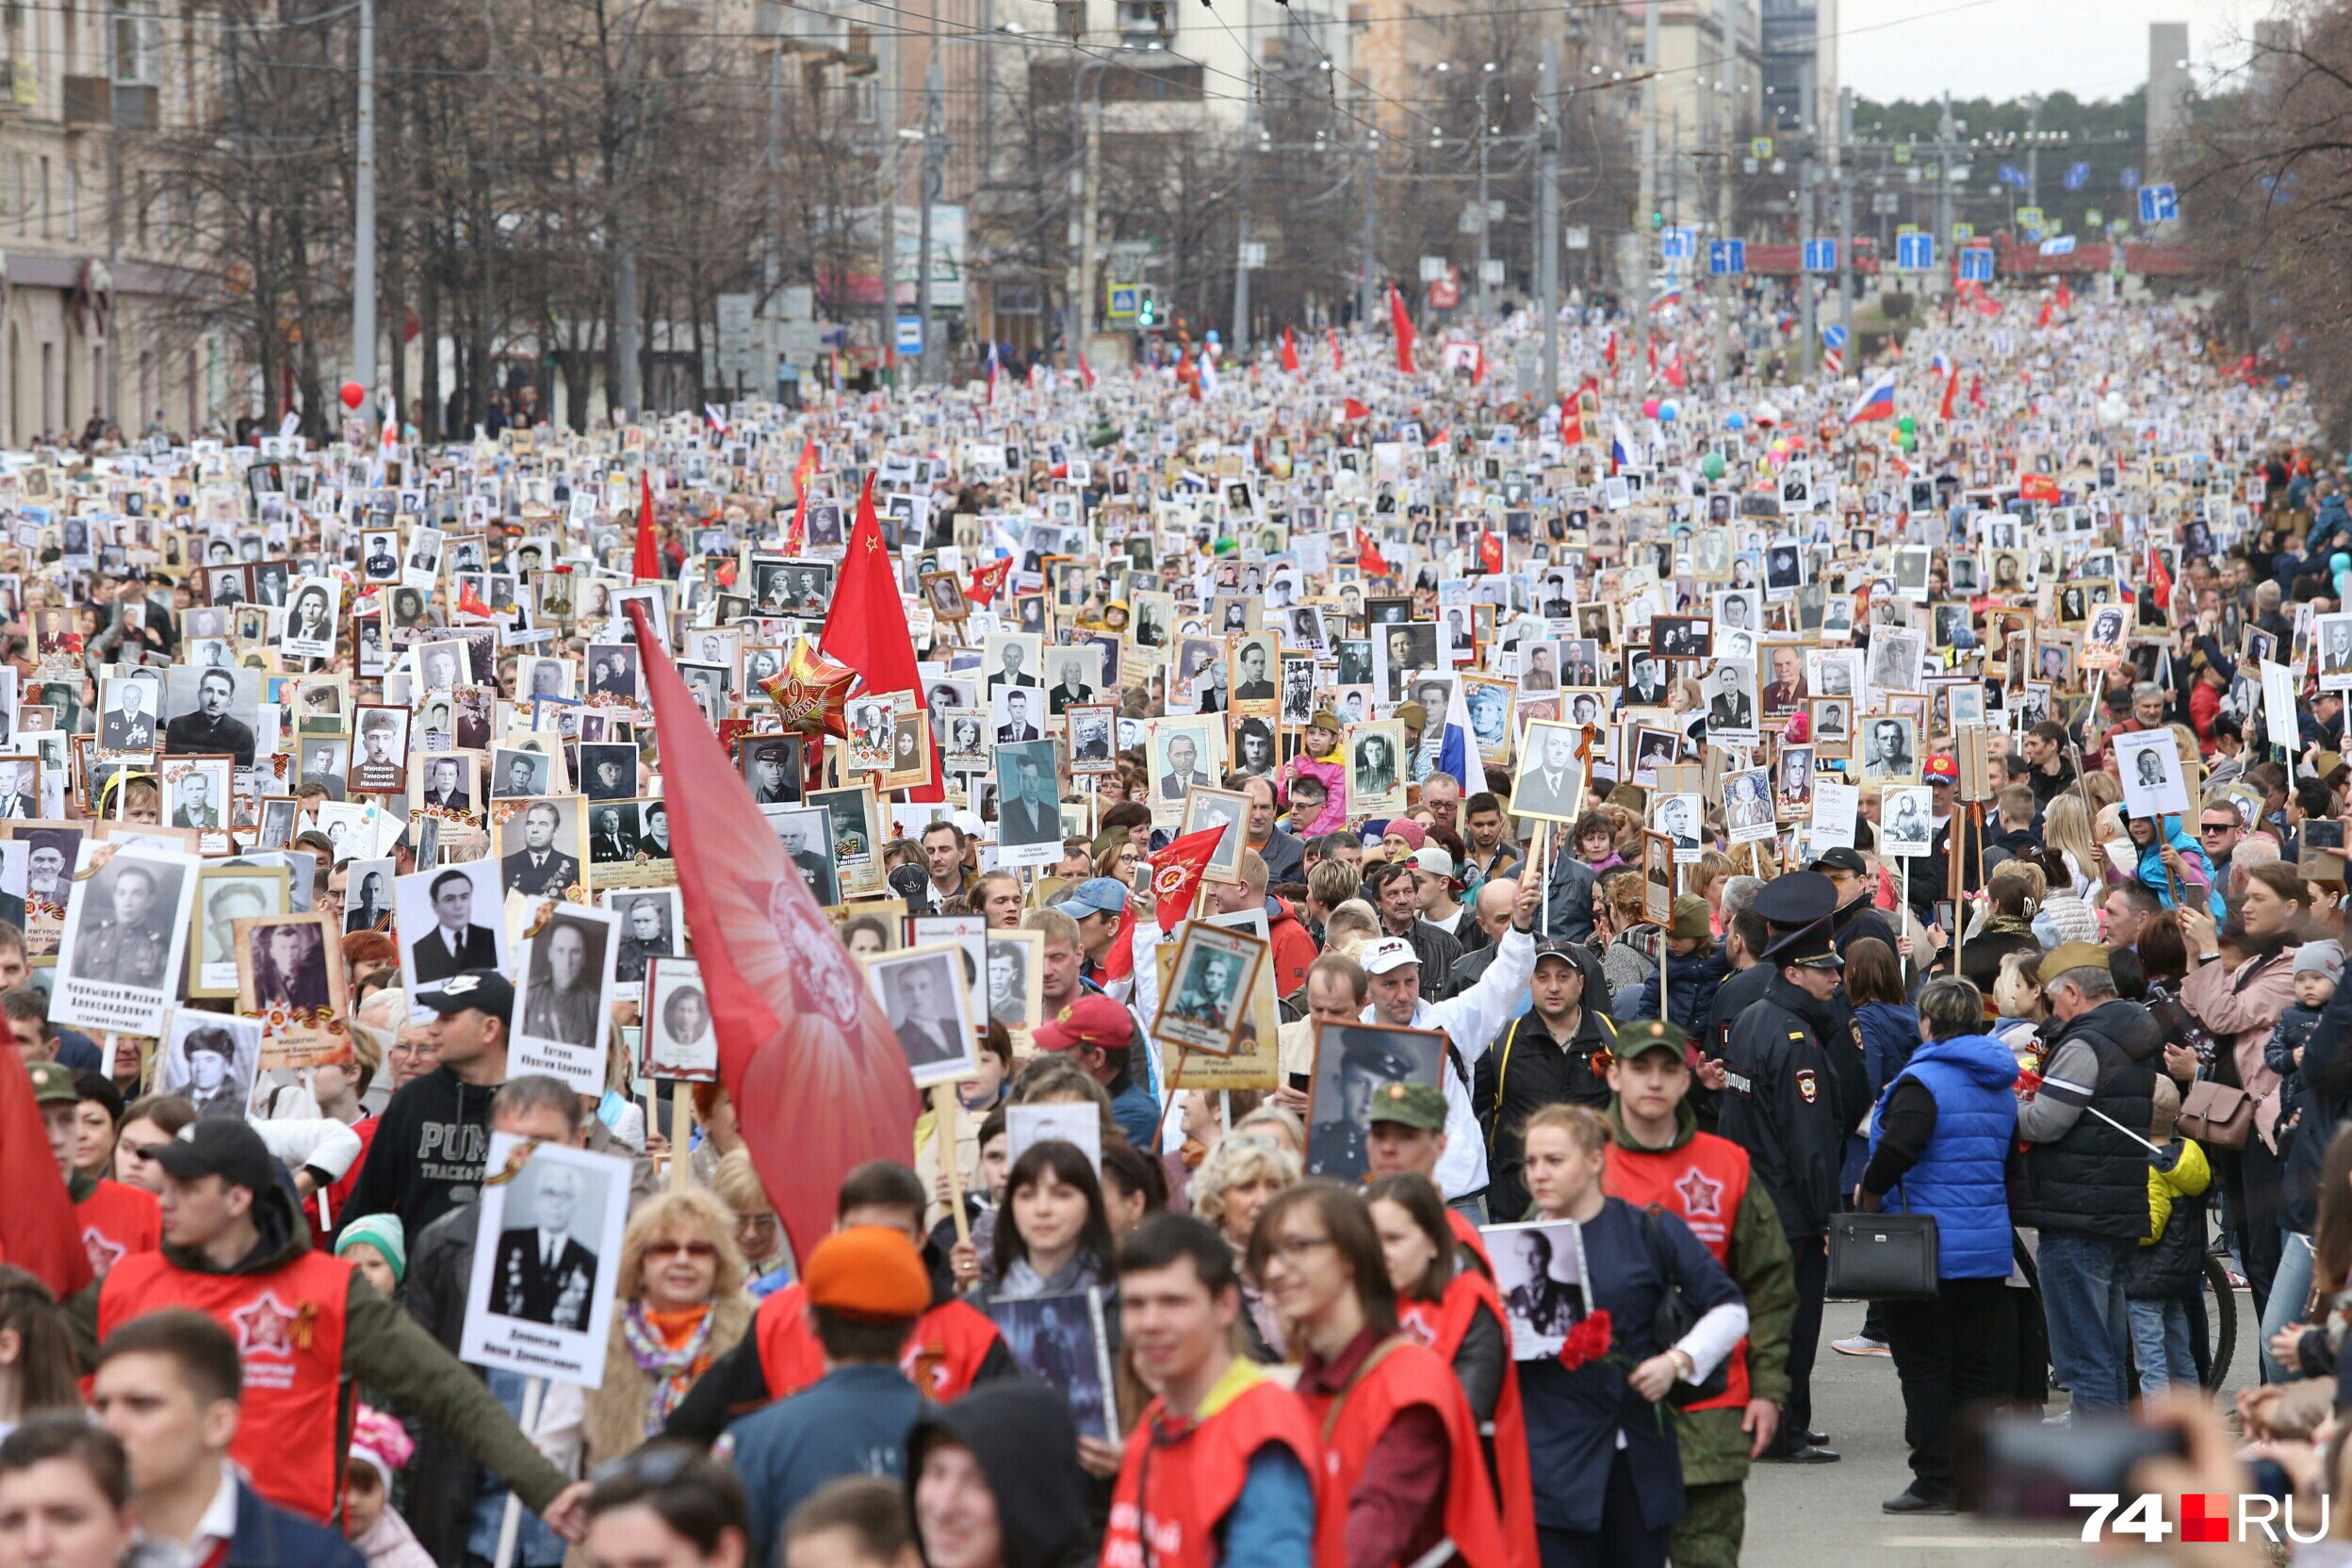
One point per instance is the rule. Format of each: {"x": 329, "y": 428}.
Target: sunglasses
{"x": 697, "y": 1249}
{"x": 2214, "y": 827}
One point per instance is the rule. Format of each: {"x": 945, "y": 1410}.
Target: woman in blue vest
{"x": 1939, "y": 1139}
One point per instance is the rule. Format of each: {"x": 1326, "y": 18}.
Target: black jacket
{"x": 1524, "y": 1070}
{"x": 2174, "y": 1264}
{"x": 430, "y": 1145}
{"x": 1782, "y": 1104}
{"x": 2326, "y": 1104}
{"x": 1567, "y": 908}
{"x": 2093, "y": 1181}
{"x": 1021, "y": 1433}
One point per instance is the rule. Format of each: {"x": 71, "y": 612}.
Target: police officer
{"x": 1788, "y": 1099}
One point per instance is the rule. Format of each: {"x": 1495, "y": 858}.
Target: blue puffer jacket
{"x": 1958, "y": 1179}
{"x": 1692, "y": 982}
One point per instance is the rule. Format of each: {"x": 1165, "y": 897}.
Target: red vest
{"x": 1180, "y": 1479}
{"x": 941, "y": 1357}
{"x": 288, "y": 1324}
{"x": 1400, "y": 1375}
{"x": 118, "y": 1221}
{"x": 1441, "y": 1325}
{"x": 1704, "y": 1182}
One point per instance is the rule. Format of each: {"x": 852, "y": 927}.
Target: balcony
{"x": 89, "y": 101}
{"x": 20, "y": 86}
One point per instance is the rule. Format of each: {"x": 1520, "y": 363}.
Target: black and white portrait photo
{"x": 1028, "y": 805}
{"x": 125, "y": 938}
{"x": 1550, "y": 783}
{"x": 1539, "y": 1272}
{"x": 1890, "y": 747}
{"x": 650, "y": 922}
{"x": 807, "y": 834}
{"x": 1352, "y": 1063}
{"x": 566, "y": 999}
{"x": 451, "y": 924}
{"x": 925, "y": 994}
{"x": 1906, "y": 817}
{"x": 2149, "y": 762}
{"x": 211, "y": 1060}
{"x": 1204, "y": 1007}
{"x": 541, "y": 1296}
{"x": 680, "y": 1039}
{"x": 771, "y": 763}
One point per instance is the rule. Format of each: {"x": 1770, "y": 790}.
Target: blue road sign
{"x": 2158, "y": 203}
{"x": 1726, "y": 258}
{"x": 1915, "y": 253}
{"x": 1820, "y": 255}
{"x": 1976, "y": 264}
{"x": 1833, "y": 334}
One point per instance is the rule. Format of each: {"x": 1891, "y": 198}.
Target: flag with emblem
{"x": 1368, "y": 554}
{"x": 988, "y": 581}
{"x": 1176, "y": 873}
{"x": 809, "y": 1060}
{"x": 866, "y": 628}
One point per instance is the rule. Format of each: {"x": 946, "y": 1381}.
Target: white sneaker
{"x": 1860, "y": 1345}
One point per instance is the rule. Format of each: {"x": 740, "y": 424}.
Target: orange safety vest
{"x": 1397, "y": 1375}
{"x": 118, "y": 1221}
{"x": 1179, "y": 1479}
{"x": 1442, "y": 1325}
{"x": 1703, "y": 1182}
{"x": 289, "y": 1323}
{"x": 942, "y": 1355}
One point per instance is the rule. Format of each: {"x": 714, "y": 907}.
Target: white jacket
{"x": 1472, "y": 1020}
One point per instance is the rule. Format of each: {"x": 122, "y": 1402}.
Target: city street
{"x": 1857, "y": 1401}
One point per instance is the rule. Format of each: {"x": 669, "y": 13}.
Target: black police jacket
{"x": 1781, "y": 1104}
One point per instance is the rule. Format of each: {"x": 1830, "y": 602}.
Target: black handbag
{"x": 1675, "y": 1319}
{"x": 1882, "y": 1257}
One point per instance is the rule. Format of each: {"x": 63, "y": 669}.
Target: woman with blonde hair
{"x": 682, "y": 1305}
{"x": 2067, "y": 829}
{"x": 1229, "y": 1191}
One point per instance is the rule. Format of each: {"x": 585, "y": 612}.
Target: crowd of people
{"x": 1466, "y": 897}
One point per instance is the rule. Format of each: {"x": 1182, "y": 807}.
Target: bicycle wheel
{"x": 2221, "y": 1313}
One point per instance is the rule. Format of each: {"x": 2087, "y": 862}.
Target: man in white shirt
{"x": 1470, "y": 1021}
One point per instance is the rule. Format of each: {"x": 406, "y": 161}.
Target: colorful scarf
{"x": 670, "y": 1347}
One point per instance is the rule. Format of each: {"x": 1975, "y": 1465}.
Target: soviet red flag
{"x": 1176, "y": 874}
{"x": 810, "y": 1059}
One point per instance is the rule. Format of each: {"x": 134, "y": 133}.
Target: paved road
{"x": 1818, "y": 1516}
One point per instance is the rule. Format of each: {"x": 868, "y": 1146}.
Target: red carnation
{"x": 1588, "y": 1342}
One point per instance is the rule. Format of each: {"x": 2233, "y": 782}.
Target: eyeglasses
{"x": 697, "y": 1249}
{"x": 1295, "y": 1248}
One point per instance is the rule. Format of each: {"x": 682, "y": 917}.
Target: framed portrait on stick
{"x": 546, "y": 1268}
{"x": 1206, "y": 1006}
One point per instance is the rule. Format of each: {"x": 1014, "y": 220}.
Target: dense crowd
{"x": 1406, "y": 924}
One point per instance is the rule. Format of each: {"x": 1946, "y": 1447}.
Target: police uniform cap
{"x": 1806, "y": 947}
{"x": 1415, "y": 1105}
{"x": 1799, "y": 899}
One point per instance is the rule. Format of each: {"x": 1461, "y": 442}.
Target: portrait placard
{"x": 547, "y": 1261}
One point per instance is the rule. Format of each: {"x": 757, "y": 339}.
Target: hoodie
{"x": 430, "y": 1145}
{"x": 1022, "y": 1434}
{"x": 1294, "y": 951}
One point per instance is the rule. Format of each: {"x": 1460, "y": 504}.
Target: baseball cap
{"x": 1091, "y": 1019}
{"x": 1940, "y": 769}
{"x": 1840, "y": 859}
{"x": 1415, "y": 1105}
{"x": 52, "y": 1083}
{"x": 1433, "y": 859}
{"x": 1096, "y": 895}
{"x": 870, "y": 1273}
{"x": 217, "y": 1146}
{"x": 1387, "y": 954}
{"x": 479, "y": 991}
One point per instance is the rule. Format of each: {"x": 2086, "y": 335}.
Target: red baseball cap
{"x": 1941, "y": 769}
{"x": 1090, "y": 1020}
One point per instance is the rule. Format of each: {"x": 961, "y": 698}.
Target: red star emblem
{"x": 101, "y": 1252}
{"x": 265, "y": 1328}
{"x": 1699, "y": 1195}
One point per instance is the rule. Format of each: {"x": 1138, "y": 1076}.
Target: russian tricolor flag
{"x": 1877, "y": 400}
{"x": 1620, "y": 445}
{"x": 1669, "y": 295}
{"x": 1457, "y": 746}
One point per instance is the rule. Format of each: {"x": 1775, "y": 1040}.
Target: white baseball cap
{"x": 1387, "y": 954}
{"x": 1434, "y": 860}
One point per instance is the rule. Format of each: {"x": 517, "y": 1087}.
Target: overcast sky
{"x": 2004, "y": 48}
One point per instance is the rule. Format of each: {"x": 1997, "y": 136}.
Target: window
{"x": 73, "y": 202}
{"x": 48, "y": 216}
{"x": 137, "y": 44}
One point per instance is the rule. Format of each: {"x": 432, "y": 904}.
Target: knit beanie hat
{"x": 379, "y": 1440}
{"x": 382, "y": 1232}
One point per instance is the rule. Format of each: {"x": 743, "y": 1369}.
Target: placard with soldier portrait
{"x": 547, "y": 1265}
{"x": 1205, "y": 1004}
{"x": 289, "y": 974}
{"x": 678, "y": 1040}
{"x": 125, "y": 936}
{"x": 565, "y": 1002}
{"x": 380, "y": 762}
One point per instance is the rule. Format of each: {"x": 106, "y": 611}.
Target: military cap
{"x": 52, "y": 1083}
{"x": 1409, "y": 1105}
{"x": 2066, "y": 955}
{"x": 1648, "y": 1035}
{"x": 1366, "y": 1049}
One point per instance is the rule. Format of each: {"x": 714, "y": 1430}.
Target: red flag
{"x": 866, "y": 628}
{"x": 1368, "y": 554}
{"x": 989, "y": 582}
{"x": 39, "y": 1233}
{"x": 1402, "y": 322}
{"x": 1290, "y": 353}
{"x": 1176, "y": 874}
{"x": 1976, "y": 390}
{"x": 2043, "y": 320}
{"x": 803, "y": 471}
{"x": 1337, "y": 363}
{"x": 1354, "y": 410}
{"x": 648, "y": 566}
{"x": 1675, "y": 375}
{"x": 1119, "y": 962}
{"x": 1086, "y": 373}
{"x": 1985, "y": 304}
{"x": 1571, "y": 423}
{"x": 1489, "y": 551}
{"x": 1951, "y": 385}
{"x": 471, "y": 603}
{"x": 2065, "y": 295}
{"x": 809, "y": 1060}
{"x": 1609, "y": 354}
{"x": 1478, "y": 363}
{"x": 2159, "y": 581}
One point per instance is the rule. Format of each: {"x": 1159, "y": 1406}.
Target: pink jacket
{"x": 1334, "y": 777}
{"x": 2242, "y": 1005}
{"x": 389, "y": 1544}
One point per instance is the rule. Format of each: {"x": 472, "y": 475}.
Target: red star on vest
{"x": 265, "y": 1327}
{"x": 1699, "y": 1195}
{"x": 102, "y": 1252}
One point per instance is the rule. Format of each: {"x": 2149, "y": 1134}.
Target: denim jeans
{"x": 2161, "y": 1342}
{"x": 2090, "y": 1329}
{"x": 2287, "y": 1289}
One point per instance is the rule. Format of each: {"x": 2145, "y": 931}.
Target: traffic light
{"x": 1147, "y": 312}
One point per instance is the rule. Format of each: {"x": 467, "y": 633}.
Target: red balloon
{"x": 354, "y": 395}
